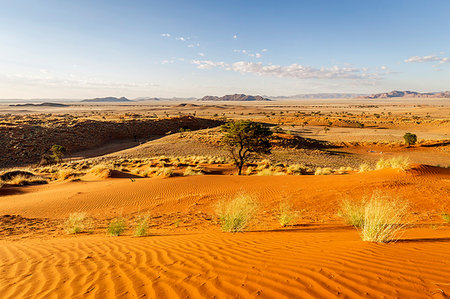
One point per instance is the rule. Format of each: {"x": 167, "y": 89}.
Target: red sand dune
{"x": 320, "y": 257}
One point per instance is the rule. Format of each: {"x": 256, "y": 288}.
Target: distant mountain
{"x": 234, "y": 97}
{"x": 407, "y": 94}
{"x": 107, "y": 99}
{"x": 40, "y": 105}
{"x": 319, "y": 96}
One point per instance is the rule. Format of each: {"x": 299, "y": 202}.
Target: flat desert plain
{"x": 171, "y": 184}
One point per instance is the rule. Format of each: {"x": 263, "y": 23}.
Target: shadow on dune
{"x": 423, "y": 240}
{"x": 11, "y": 191}
{"x": 306, "y": 228}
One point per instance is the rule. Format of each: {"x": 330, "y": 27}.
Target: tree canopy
{"x": 244, "y": 137}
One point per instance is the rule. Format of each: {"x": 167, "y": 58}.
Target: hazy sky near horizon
{"x": 82, "y": 49}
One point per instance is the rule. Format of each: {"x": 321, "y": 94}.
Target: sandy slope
{"x": 320, "y": 257}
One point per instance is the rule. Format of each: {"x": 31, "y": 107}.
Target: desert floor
{"x": 186, "y": 255}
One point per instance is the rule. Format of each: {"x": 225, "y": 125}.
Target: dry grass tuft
{"x": 286, "y": 213}
{"x": 382, "y": 218}
{"x": 78, "y": 223}
{"x": 191, "y": 171}
{"x": 396, "y": 163}
{"x": 237, "y": 214}
{"x": 323, "y": 171}
{"x": 352, "y": 212}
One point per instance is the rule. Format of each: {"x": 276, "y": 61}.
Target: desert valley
{"x": 157, "y": 175}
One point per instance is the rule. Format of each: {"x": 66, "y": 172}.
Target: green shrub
{"x": 410, "y": 139}
{"x": 236, "y": 214}
{"x": 116, "y": 227}
{"x": 78, "y": 223}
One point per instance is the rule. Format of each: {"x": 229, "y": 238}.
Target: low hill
{"x": 40, "y": 105}
{"x": 235, "y": 97}
{"x": 107, "y": 99}
{"x": 407, "y": 94}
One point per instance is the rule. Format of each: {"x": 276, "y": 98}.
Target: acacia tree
{"x": 410, "y": 139}
{"x": 58, "y": 152}
{"x": 243, "y": 138}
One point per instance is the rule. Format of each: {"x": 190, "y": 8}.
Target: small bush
{"x": 410, "y": 139}
{"x": 352, "y": 212}
{"x": 446, "y": 217}
{"x": 382, "y": 219}
{"x": 286, "y": 213}
{"x": 78, "y": 223}
{"x": 237, "y": 214}
{"x": 141, "y": 226}
{"x": 116, "y": 227}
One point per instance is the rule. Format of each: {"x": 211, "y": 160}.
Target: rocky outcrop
{"x": 234, "y": 97}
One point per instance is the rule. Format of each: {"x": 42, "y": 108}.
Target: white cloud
{"x": 235, "y": 36}
{"x": 264, "y": 50}
{"x": 300, "y": 71}
{"x": 429, "y": 58}
{"x": 248, "y": 53}
{"x": 208, "y": 64}
{"x": 201, "y": 54}
{"x": 290, "y": 71}
{"x": 165, "y": 34}
{"x": 183, "y": 39}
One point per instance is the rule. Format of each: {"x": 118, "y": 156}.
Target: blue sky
{"x": 80, "y": 49}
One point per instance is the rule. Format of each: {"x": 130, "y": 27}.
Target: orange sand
{"x": 320, "y": 257}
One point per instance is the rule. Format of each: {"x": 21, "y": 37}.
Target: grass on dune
{"x": 286, "y": 213}
{"x": 237, "y": 214}
{"x": 141, "y": 226}
{"x": 116, "y": 227}
{"x": 78, "y": 223}
{"x": 378, "y": 219}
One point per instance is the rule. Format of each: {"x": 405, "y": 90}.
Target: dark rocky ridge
{"x": 25, "y": 144}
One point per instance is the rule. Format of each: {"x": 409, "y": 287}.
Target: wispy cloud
{"x": 235, "y": 36}
{"x": 249, "y": 53}
{"x": 429, "y": 58}
{"x": 209, "y": 64}
{"x": 165, "y": 34}
{"x": 301, "y": 72}
{"x": 290, "y": 71}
